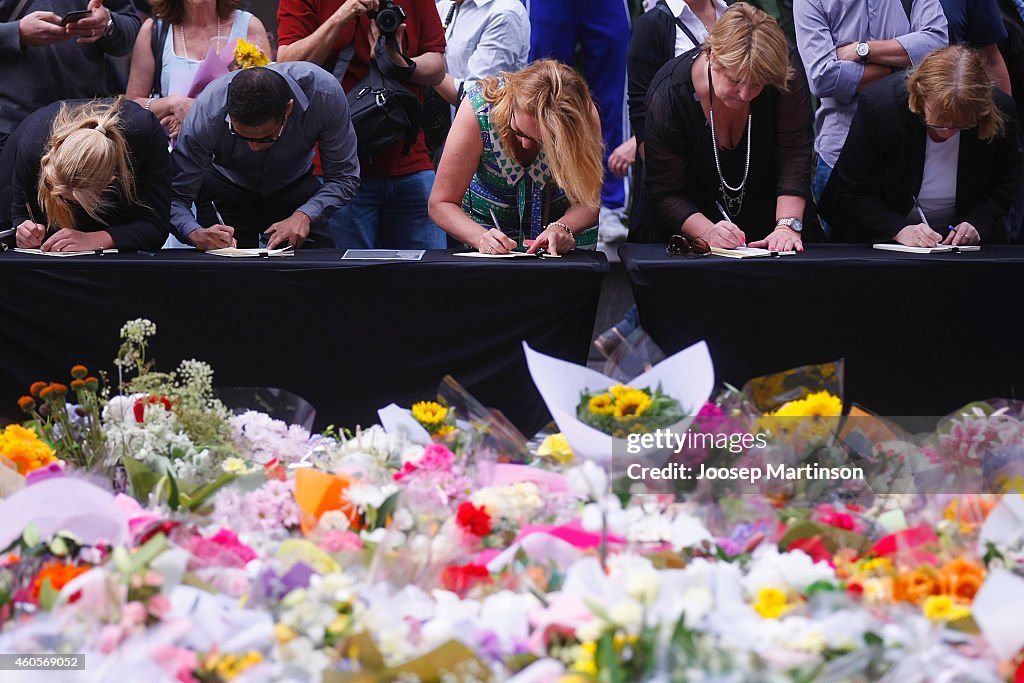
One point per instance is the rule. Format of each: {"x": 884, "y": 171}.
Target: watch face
{"x": 862, "y": 49}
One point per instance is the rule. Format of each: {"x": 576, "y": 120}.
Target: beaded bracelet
{"x": 563, "y": 226}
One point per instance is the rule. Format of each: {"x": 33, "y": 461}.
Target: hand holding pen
{"x": 494, "y": 241}
{"x": 962, "y": 235}
{"x": 30, "y": 234}
{"x": 725, "y": 233}
{"x": 919, "y": 235}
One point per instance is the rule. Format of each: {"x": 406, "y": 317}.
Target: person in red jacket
{"x": 390, "y": 207}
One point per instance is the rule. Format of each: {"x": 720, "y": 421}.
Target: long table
{"x": 921, "y": 334}
{"x": 348, "y": 336}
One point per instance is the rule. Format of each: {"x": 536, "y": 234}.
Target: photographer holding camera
{"x": 390, "y": 207}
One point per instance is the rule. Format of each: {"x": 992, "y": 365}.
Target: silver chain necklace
{"x": 735, "y": 204}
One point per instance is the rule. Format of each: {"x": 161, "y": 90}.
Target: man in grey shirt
{"x": 245, "y": 156}
{"x": 846, "y": 46}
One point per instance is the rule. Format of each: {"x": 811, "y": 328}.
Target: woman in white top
{"x": 190, "y": 27}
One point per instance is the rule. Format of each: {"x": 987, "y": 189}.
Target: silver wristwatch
{"x": 863, "y": 52}
{"x": 793, "y": 224}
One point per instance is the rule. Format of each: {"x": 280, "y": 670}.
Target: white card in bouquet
{"x": 997, "y": 608}
{"x": 687, "y": 376}
{"x": 397, "y": 420}
{"x": 1004, "y": 525}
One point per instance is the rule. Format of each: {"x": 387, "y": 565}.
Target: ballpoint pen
{"x": 220, "y": 220}
{"x": 920, "y": 212}
{"x": 722, "y": 210}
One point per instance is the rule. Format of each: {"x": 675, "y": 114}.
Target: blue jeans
{"x": 822, "y": 171}
{"x": 388, "y": 213}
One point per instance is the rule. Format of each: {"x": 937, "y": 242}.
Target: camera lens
{"x": 387, "y": 21}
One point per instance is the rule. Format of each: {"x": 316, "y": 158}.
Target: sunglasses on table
{"x": 684, "y": 246}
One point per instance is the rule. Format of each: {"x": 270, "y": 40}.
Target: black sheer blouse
{"x": 680, "y": 165}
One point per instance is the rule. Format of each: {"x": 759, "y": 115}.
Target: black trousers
{"x": 250, "y": 213}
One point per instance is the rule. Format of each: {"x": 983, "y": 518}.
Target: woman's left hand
{"x": 965, "y": 233}
{"x": 555, "y": 240}
{"x": 66, "y": 239}
{"x": 781, "y": 239}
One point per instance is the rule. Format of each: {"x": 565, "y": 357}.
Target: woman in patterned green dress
{"x": 524, "y": 152}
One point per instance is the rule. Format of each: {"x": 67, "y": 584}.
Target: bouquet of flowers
{"x": 622, "y": 410}
{"x": 247, "y": 55}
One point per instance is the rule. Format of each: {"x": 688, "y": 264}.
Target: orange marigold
{"x": 960, "y": 579}
{"x": 36, "y": 389}
{"x": 25, "y": 449}
{"x": 26, "y": 403}
{"x": 79, "y": 371}
{"x": 91, "y": 383}
{"x": 77, "y": 384}
{"x": 59, "y": 575}
{"x": 59, "y": 389}
{"x": 915, "y": 585}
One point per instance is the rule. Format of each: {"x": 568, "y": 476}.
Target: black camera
{"x": 389, "y": 17}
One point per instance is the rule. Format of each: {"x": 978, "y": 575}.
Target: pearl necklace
{"x": 184, "y": 40}
{"x": 735, "y": 204}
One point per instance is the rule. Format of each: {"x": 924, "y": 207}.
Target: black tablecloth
{"x": 349, "y": 336}
{"x": 921, "y": 334}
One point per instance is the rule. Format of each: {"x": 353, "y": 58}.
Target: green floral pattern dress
{"x": 524, "y": 200}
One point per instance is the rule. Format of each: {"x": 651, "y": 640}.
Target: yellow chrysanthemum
{"x": 602, "y": 404}
{"x": 633, "y": 404}
{"x": 819, "y": 404}
{"x": 771, "y": 603}
{"x": 556, "y": 447}
{"x": 249, "y": 55}
{"x": 429, "y": 412}
{"x": 944, "y": 608}
{"x": 25, "y": 449}
{"x": 229, "y": 666}
{"x": 444, "y": 430}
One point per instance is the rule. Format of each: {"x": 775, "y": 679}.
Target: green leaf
{"x": 872, "y": 638}
{"x": 48, "y": 595}
{"x": 141, "y": 558}
{"x": 386, "y": 509}
{"x": 31, "y": 535}
{"x": 174, "y": 497}
{"x": 58, "y": 546}
{"x": 203, "y": 493}
{"x": 608, "y": 661}
{"x": 141, "y": 478}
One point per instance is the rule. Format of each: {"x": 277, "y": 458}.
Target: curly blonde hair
{"x": 560, "y": 100}
{"x": 87, "y": 149}
{"x": 954, "y": 80}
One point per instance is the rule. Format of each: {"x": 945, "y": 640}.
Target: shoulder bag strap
{"x": 663, "y": 6}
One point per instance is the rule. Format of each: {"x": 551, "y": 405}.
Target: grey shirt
{"x": 484, "y": 38}
{"x": 33, "y": 77}
{"x": 824, "y": 25}
{"x": 319, "y": 117}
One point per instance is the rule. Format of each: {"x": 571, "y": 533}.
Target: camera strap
{"x": 346, "y": 54}
{"x": 399, "y": 72}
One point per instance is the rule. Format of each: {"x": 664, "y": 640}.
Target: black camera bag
{"x": 383, "y": 109}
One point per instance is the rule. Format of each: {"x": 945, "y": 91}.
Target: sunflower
{"x": 429, "y": 412}
{"x": 602, "y": 404}
{"x": 632, "y": 403}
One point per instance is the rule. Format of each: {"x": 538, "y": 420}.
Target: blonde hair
{"x": 560, "y": 100}
{"x": 954, "y": 80}
{"x": 750, "y": 42}
{"x": 87, "y": 148}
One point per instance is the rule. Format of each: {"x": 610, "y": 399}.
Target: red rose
{"x": 141, "y": 403}
{"x": 473, "y": 519}
{"x": 462, "y": 579}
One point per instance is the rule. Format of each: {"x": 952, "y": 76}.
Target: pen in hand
{"x": 220, "y": 220}
{"x": 920, "y": 212}
{"x": 725, "y": 214}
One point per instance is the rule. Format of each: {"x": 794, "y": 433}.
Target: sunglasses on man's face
{"x": 682, "y": 246}
{"x": 268, "y": 140}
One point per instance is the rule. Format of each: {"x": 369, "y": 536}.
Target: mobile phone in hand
{"x": 74, "y": 16}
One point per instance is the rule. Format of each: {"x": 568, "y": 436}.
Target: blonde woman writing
{"x": 90, "y": 175}
{"x": 524, "y": 152}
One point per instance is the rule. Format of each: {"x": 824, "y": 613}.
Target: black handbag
{"x": 383, "y": 110}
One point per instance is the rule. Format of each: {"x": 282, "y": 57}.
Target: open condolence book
{"x": 235, "y": 252}
{"x": 748, "y": 252}
{"x": 91, "y": 252}
{"x": 941, "y": 249}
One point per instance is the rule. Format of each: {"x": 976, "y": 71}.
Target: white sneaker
{"x": 611, "y": 230}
